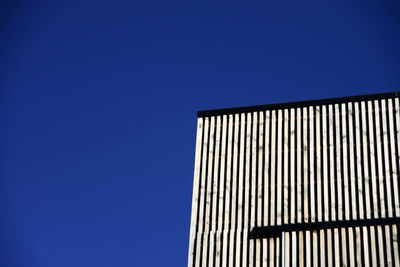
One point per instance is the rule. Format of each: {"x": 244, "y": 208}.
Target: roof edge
{"x": 298, "y": 104}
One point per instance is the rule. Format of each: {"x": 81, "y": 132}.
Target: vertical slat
{"x": 374, "y": 256}
{"x": 321, "y": 182}
{"x": 273, "y": 169}
{"x": 228, "y": 193}
{"x": 218, "y": 250}
{"x": 265, "y": 252}
{"x": 337, "y": 246}
{"x": 314, "y": 245}
{"x": 380, "y": 246}
{"x": 292, "y": 133}
{"x": 224, "y": 191}
{"x": 322, "y": 248}
{"x": 372, "y": 160}
{"x": 260, "y": 149}
{"x": 258, "y": 252}
{"x": 324, "y": 167}
{"x": 267, "y": 185}
{"x": 208, "y": 192}
{"x": 319, "y": 202}
{"x": 312, "y": 178}
{"x": 359, "y": 162}
{"x": 286, "y": 137}
{"x": 211, "y": 247}
{"x": 199, "y": 240}
{"x": 292, "y": 167}
{"x": 394, "y": 174}
{"x": 395, "y": 245}
{"x": 305, "y": 150}
{"x": 311, "y": 167}
{"x": 361, "y": 192}
{"x": 279, "y": 184}
{"x": 329, "y": 192}
{"x": 299, "y": 187}
{"x": 273, "y": 185}
{"x": 343, "y": 246}
{"x": 239, "y": 240}
{"x": 332, "y": 160}
{"x": 353, "y": 164}
{"x": 285, "y": 156}
{"x": 318, "y": 235}
{"x": 272, "y": 256}
{"x": 352, "y": 182}
{"x": 294, "y": 251}
{"x": 247, "y": 177}
{"x": 394, "y": 118}
{"x": 345, "y": 177}
{"x": 366, "y": 154}
{"x": 387, "y": 165}
{"x": 202, "y": 193}
{"x": 397, "y": 130}
{"x": 277, "y": 251}
{"x": 388, "y": 245}
{"x": 379, "y": 160}
{"x": 285, "y": 253}
{"x": 299, "y": 173}
{"x": 306, "y": 182}
{"x": 225, "y": 249}
{"x": 332, "y": 171}
{"x": 387, "y": 179}
{"x": 221, "y": 194}
{"x": 366, "y": 249}
{"x": 301, "y": 249}
{"x": 204, "y": 249}
{"x": 308, "y": 248}
{"x": 358, "y": 247}
{"x": 345, "y": 164}
{"x": 233, "y": 242}
{"x": 214, "y": 193}
{"x": 329, "y": 247}
{"x": 338, "y": 173}
{"x": 253, "y": 182}
{"x": 381, "y": 188}
{"x": 351, "y": 246}
{"x": 242, "y": 162}
{"x": 195, "y": 196}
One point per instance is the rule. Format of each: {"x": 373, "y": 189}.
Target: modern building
{"x": 311, "y": 183}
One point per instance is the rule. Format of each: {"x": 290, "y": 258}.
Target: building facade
{"x": 299, "y": 184}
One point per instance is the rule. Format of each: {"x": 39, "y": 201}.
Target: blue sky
{"x": 98, "y": 104}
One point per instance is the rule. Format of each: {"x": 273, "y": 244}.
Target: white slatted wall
{"x": 297, "y": 165}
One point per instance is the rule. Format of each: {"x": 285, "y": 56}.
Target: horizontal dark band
{"x": 268, "y": 231}
{"x": 216, "y": 112}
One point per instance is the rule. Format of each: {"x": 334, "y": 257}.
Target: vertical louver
{"x": 298, "y": 165}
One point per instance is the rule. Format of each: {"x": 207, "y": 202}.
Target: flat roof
{"x": 298, "y": 104}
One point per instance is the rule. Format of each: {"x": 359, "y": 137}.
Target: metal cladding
{"x": 300, "y": 184}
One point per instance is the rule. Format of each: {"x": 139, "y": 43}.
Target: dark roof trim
{"x": 215, "y": 112}
{"x": 276, "y": 230}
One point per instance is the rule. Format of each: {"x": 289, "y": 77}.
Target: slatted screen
{"x": 301, "y": 164}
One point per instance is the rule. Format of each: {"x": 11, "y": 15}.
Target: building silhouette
{"x": 311, "y": 183}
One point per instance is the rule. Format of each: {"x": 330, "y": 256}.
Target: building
{"x": 311, "y": 183}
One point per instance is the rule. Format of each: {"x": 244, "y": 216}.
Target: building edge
{"x": 297, "y": 104}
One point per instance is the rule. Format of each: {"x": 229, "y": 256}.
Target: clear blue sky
{"x": 98, "y": 104}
